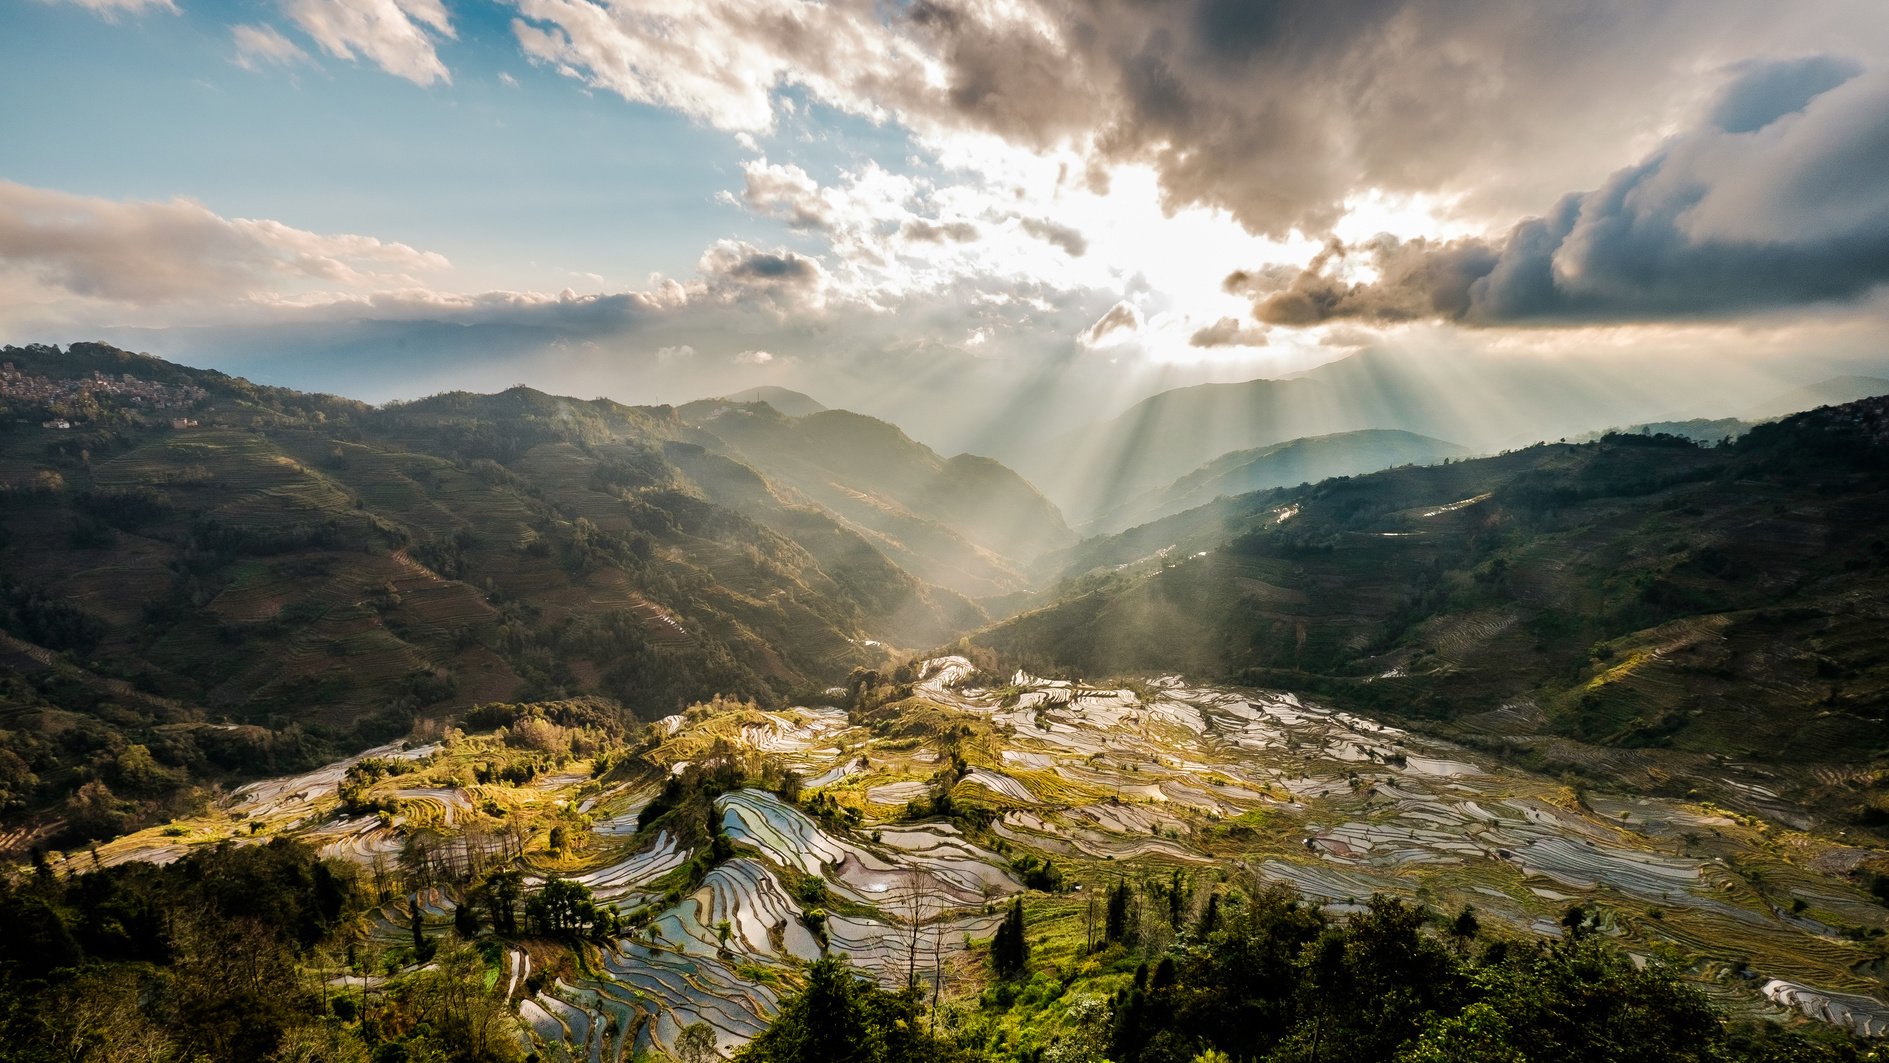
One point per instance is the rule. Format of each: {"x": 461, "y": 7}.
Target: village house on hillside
{"x": 60, "y": 395}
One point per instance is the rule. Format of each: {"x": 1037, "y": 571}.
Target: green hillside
{"x": 202, "y": 578}
{"x": 965, "y": 523}
{"x": 1640, "y": 608}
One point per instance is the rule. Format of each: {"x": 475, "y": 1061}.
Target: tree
{"x": 1465, "y": 927}
{"x": 696, "y": 1044}
{"x": 562, "y": 907}
{"x": 466, "y": 921}
{"x": 1479, "y": 1032}
{"x": 501, "y": 892}
{"x": 842, "y": 1018}
{"x": 1009, "y": 948}
{"x": 1121, "y": 899}
{"x": 469, "y": 1019}
{"x": 421, "y": 952}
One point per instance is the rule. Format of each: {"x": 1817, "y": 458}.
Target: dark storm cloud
{"x": 1725, "y": 219}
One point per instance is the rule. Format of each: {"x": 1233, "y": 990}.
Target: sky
{"x": 963, "y": 215}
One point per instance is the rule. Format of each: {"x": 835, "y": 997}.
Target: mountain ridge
{"x": 1642, "y": 606}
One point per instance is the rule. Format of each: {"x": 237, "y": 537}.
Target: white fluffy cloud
{"x": 720, "y": 61}
{"x": 399, "y": 36}
{"x": 153, "y": 252}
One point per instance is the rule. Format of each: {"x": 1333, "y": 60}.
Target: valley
{"x": 1224, "y": 789}
{"x": 640, "y": 718}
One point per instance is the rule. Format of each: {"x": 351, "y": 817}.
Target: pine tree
{"x": 420, "y": 950}
{"x": 1120, "y": 899}
{"x": 1010, "y": 948}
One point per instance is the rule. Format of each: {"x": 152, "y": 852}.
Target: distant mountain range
{"x": 1484, "y": 403}
{"x": 1832, "y": 392}
{"x": 1296, "y": 461}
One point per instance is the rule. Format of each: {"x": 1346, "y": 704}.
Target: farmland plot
{"x": 1245, "y": 786}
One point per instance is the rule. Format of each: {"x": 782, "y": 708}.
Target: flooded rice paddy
{"x": 1218, "y": 783}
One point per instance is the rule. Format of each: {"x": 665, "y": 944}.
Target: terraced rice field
{"x": 620, "y": 883}
{"x": 1249, "y": 786}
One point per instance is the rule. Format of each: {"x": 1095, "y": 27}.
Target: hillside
{"x": 202, "y": 578}
{"x": 1296, "y": 461}
{"x": 1641, "y": 608}
{"x": 966, "y": 523}
{"x": 1706, "y": 431}
{"x": 786, "y": 400}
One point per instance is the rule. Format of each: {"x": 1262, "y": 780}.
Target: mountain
{"x": 1642, "y": 609}
{"x": 214, "y": 578}
{"x": 1292, "y": 462}
{"x": 1832, "y": 392}
{"x": 1486, "y": 402}
{"x": 966, "y": 523}
{"x": 790, "y": 402}
{"x": 1702, "y": 430}
{"x": 202, "y": 581}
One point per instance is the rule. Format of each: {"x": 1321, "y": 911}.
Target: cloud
{"x": 396, "y": 35}
{"x": 1767, "y": 91}
{"x": 1073, "y": 243}
{"x": 1275, "y": 112}
{"x": 150, "y": 252}
{"x": 753, "y": 358}
{"x": 733, "y": 272}
{"x": 1121, "y": 322}
{"x": 1779, "y": 198}
{"x": 507, "y": 80}
{"x": 1416, "y": 279}
{"x": 720, "y": 61}
{"x": 1227, "y": 332}
{"x": 932, "y": 232}
{"x": 260, "y": 46}
{"x": 786, "y": 193}
{"x": 111, "y": 9}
